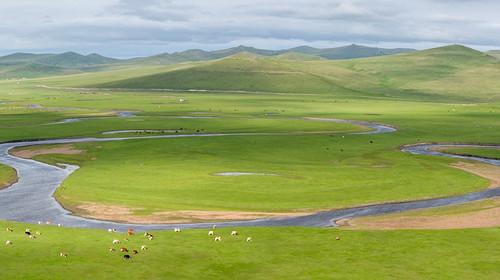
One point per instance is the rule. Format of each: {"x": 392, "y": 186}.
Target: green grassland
{"x": 7, "y": 175}
{"x": 435, "y": 74}
{"x": 297, "y": 253}
{"x": 422, "y": 93}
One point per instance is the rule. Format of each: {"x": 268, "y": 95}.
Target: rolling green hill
{"x": 97, "y": 63}
{"x": 34, "y": 70}
{"x": 450, "y": 72}
{"x": 495, "y": 53}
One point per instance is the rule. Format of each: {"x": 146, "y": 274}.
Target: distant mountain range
{"x": 37, "y": 65}
{"x": 65, "y": 60}
{"x": 30, "y": 65}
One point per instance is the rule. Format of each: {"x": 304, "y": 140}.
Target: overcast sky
{"x": 132, "y": 28}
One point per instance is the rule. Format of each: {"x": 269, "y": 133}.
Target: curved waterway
{"x": 30, "y": 199}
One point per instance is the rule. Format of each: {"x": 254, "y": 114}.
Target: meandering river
{"x": 30, "y": 199}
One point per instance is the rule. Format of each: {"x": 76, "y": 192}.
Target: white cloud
{"x": 146, "y": 27}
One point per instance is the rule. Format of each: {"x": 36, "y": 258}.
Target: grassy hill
{"x": 34, "y": 70}
{"x": 495, "y": 53}
{"x": 238, "y": 73}
{"x": 451, "y": 72}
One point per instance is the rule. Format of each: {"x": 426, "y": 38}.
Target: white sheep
{"x": 218, "y": 238}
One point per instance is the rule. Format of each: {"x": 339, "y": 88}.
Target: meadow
{"x": 322, "y": 165}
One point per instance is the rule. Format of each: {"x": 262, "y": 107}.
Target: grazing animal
{"x": 38, "y": 232}
{"x": 234, "y": 232}
{"x": 130, "y": 231}
{"x": 9, "y": 229}
{"x": 63, "y": 255}
{"x": 144, "y": 247}
{"x": 249, "y": 239}
{"x": 218, "y": 238}
{"x": 214, "y": 226}
{"x": 27, "y": 230}
{"x": 116, "y": 241}
{"x": 134, "y": 251}
{"x": 337, "y": 238}
{"x": 177, "y": 230}
{"x": 123, "y": 250}
{"x": 49, "y": 223}
{"x": 126, "y": 257}
{"x": 150, "y": 237}
{"x": 211, "y": 232}
{"x": 32, "y": 236}
{"x": 8, "y": 242}
{"x": 111, "y": 249}
{"x": 126, "y": 239}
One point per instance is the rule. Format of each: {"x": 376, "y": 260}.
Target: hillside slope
{"x": 451, "y": 72}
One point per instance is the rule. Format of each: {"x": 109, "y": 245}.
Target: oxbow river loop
{"x": 30, "y": 199}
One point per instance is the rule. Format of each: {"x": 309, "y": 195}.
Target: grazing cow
{"x": 111, "y": 249}
{"x": 218, "y": 238}
{"x": 38, "y": 232}
{"x": 116, "y": 241}
{"x": 150, "y": 237}
{"x": 8, "y": 242}
{"x": 130, "y": 231}
{"x": 214, "y": 226}
{"x": 63, "y": 255}
{"x": 9, "y": 229}
{"x": 49, "y": 223}
{"x": 234, "y": 232}
{"x": 177, "y": 230}
{"x": 123, "y": 250}
{"x": 211, "y": 232}
{"x": 249, "y": 239}
{"x": 337, "y": 238}
{"x": 126, "y": 257}
{"x": 126, "y": 239}
{"x": 143, "y": 247}
{"x": 134, "y": 251}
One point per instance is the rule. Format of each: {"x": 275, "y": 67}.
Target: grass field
{"x": 323, "y": 166}
{"x": 298, "y": 253}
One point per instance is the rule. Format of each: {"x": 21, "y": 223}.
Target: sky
{"x": 137, "y": 28}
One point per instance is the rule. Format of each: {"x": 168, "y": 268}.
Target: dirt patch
{"x": 478, "y": 219}
{"x": 125, "y": 215}
{"x": 63, "y": 149}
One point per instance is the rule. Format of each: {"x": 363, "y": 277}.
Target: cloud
{"x": 127, "y": 26}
